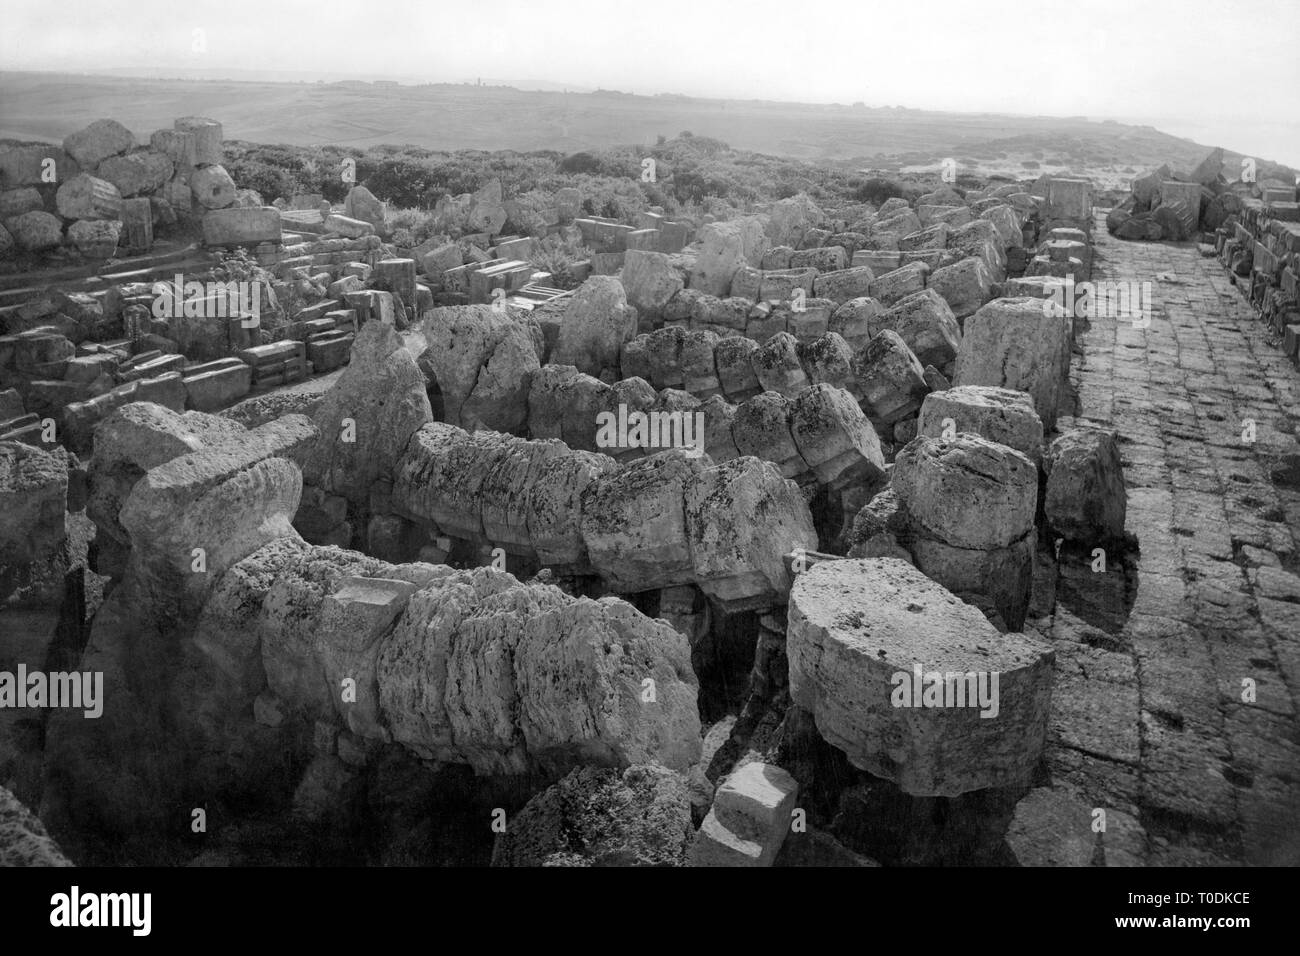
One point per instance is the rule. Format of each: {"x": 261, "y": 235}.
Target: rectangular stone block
{"x": 137, "y": 226}
{"x": 644, "y": 239}
{"x": 1069, "y": 199}
{"x": 273, "y": 352}
{"x": 350, "y": 228}
{"x": 241, "y": 226}
{"x": 329, "y": 350}
{"x": 673, "y": 236}
{"x": 216, "y": 389}
{"x": 151, "y": 367}
{"x": 1291, "y": 341}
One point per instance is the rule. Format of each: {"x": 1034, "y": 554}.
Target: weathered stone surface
{"x": 1053, "y": 828}
{"x": 212, "y": 187}
{"x": 856, "y": 321}
{"x": 597, "y": 322}
{"x": 135, "y": 438}
{"x": 780, "y": 285}
{"x": 1017, "y": 344}
{"x": 1086, "y": 499}
{"x": 504, "y": 676}
{"x": 243, "y": 225}
{"x": 734, "y": 359}
{"x": 996, "y": 580}
{"x": 844, "y": 285}
{"x": 934, "y": 237}
{"x": 742, "y": 516}
{"x": 699, "y": 370}
{"x": 26, "y": 166}
{"x": 967, "y": 492}
{"x": 98, "y": 141}
{"x": 650, "y": 282}
{"x": 900, "y": 222}
{"x": 858, "y": 632}
{"x": 790, "y": 219}
{"x": 581, "y": 399}
{"x": 749, "y": 820}
{"x": 835, "y": 438}
{"x": 95, "y": 238}
{"x": 724, "y": 248}
{"x": 207, "y": 138}
{"x": 722, "y": 316}
{"x": 927, "y": 325}
{"x": 382, "y": 395}
{"x": 36, "y": 231}
{"x": 15, "y": 202}
{"x": 719, "y": 416}
{"x": 940, "y": 214}
{"x": 964, "y": 285}
{"x": 136, "y": 173}
{"x": 228, "y": 499}
{"x": 546, "y": 401}
{"x": 827, "y": 359}
{"x": 481, "y": 361}
{"x": 776, "y": 365}
{"x": 361, "y": 203}
{"x": 23, "y": 840}
{"x": 555, "y": 507}
{"x": 889, "y": 378}
{"x": 33, "y": 498}
{"x": 88, "y": 197}
{"x": 747, "y": 284}
{"x": 883, "y": 517}
{"x": 348, "y": 227}
{"x": 762, "y": 428}
{"x": 998, "y": 414}
{"x": 176, "y": 145}
{"x": 1007, "y": 222}
{"x": 899, "y": 283}
{"x": 634, "y": 521}
{"x": 602, "y": 817}
{"x": 821, "y": 258}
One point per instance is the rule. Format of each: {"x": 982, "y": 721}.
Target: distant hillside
{"x": 450, "y": 117}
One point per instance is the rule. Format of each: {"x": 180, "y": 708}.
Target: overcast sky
{"x": 1218, "y": 72}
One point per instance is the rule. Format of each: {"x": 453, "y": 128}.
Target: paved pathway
{"x": 1149, "y": 718}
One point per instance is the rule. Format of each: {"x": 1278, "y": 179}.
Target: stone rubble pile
{"x": 322, "y": 620}
{"x": 103, "y": 192}
{"x": 333, "y": 650}
{"x": 1259, "y": 243}
{"x": 1178, "y": 206}
{"x": 656, "y": 522}
{"x": 819, "y": 438}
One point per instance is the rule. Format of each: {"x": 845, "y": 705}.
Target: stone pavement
{"x": 1156, "y": 653}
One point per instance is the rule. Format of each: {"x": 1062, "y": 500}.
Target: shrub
{"x": 557, "y": 255}
{"x": 877, "y": 190}
{"x": 413, "y": 226}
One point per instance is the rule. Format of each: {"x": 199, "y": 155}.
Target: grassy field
{"x": 449, "y": 117}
